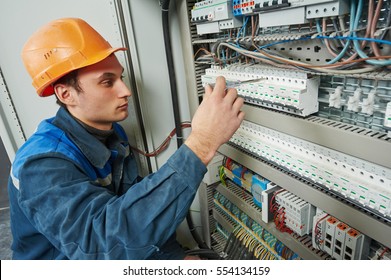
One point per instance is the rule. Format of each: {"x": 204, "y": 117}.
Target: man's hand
{"x": 215, "y": 121}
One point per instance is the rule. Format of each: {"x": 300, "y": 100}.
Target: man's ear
{"x": 65, "y": 94}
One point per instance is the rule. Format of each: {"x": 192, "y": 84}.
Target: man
{"x": 74, "y": 190}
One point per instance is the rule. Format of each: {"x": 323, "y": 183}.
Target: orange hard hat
{"x": 60, "y": 47}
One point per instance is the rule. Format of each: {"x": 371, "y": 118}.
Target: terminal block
{"x": 339, "y": 245}
{"x": 356, "y": 245}
{"x": 267, "y": 196}
{"x": 240, "y": 176}
{"x": 298, "y": 212}
{"x": 245, "y": 7}
{"x": 258, "y": 185}
{"x": 319, "y": 231}
{"x": 329, "y": 242}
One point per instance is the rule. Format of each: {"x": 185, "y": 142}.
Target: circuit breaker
{"x": 213, "y": 16}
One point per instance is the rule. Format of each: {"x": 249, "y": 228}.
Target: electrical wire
{"x": 372, "y": 40}
{"x": 337, "y": 57}
{"x": 165, "y": 7}
{"x": 337, "y": 31}
{"x": 388, "y": 22}
{"x": 229, "y": 243}
{"x": 204, "y": 253}
{"x": 222, "y": 175}
{"x": 321, "y": 36}
{"x": 340, "y": 64}
{"x": 235, "y": 219}
{"x": 228, "y": 164}
{"x": 242, "y": 30}
{"x": 382, "y": 253}
{"x": 374, "y": 46}
{"x": 355, "y": 16}
{"x": 306, "y": 65}
{"x": 349, "y": 38}
{"x": 162, "y": 147}
{"x": 272, "y": 203}
{"x": 357, "y": 46}
{"x": 318, "y": 241}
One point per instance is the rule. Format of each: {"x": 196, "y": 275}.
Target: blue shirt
{"x": 72, "y": 197}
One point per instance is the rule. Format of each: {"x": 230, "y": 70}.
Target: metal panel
{"x": 145, "y": 35}
{"x": 204, "y": 208}
{"x": 10, "y": 130}
{"x": 187, "y": 48}
{"x": 152, "y": 73}
{"x": 131, "y": 64}
{"x": 374, "y": 227}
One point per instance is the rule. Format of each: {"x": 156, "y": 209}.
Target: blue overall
{"x": 72, "y": 197}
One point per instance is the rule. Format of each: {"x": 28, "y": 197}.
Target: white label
{"x": 387, "y": 118}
